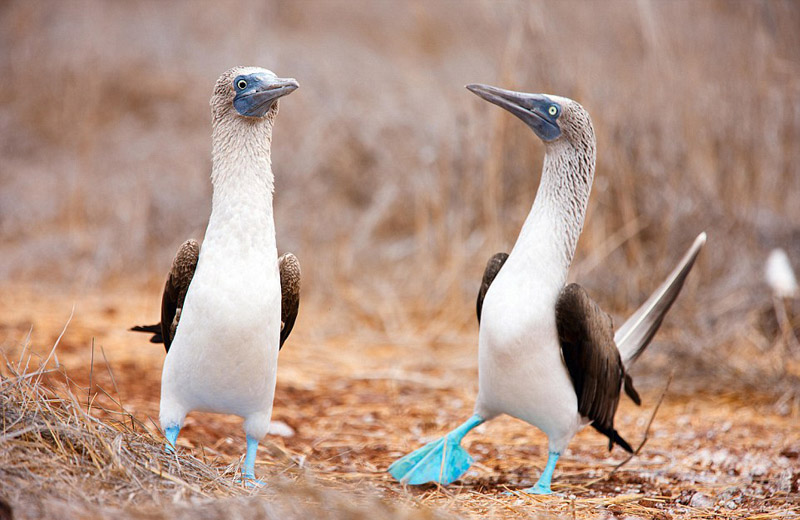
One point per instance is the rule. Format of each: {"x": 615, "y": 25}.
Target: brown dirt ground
{"x": 358, "y": 404}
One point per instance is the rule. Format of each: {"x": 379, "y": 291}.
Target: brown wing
{"x": 493, "y": 267}
{"x": 290, "y": 293}
{"x": 178, "y": 280}
{"x": 586, "y": 334}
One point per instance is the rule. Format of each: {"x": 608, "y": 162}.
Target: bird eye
{"x": 552, "y": 110}
{"x": 241, "y": 84}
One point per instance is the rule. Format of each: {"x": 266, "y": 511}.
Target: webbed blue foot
{"x": 251, "y": 482}
{"x": 443, "y": 460}
{"x": 171, "y": 434}
{"x": 248, "y": 471}
{"x": 542, "y": 487}
{"x": 538, "y": 489}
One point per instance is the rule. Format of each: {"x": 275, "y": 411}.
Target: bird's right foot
{"x": 542, "y": 487}
{"x": 171, "y": 434}
{"x": 538, "y": 489}
{"x": 442, "y": 461}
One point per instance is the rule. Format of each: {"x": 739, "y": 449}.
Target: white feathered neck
{"x": 243, "y": 183}
{"x": 550, "y": 233}
{"x": 242, "y": 145}
{"x": 241, "y": 172}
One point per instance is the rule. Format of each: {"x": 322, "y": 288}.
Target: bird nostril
{"x": 276, "y": 86}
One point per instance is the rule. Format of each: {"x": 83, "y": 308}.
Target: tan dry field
{"x": 394, "y": 185}
{"x": 358, "y": 402}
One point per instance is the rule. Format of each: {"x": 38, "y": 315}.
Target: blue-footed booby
{"x": 547, "y": 354}
{"x": 229, "y": 305}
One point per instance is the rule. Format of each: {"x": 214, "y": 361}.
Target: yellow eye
{"x": 241, "y": 84}
{"x": 552, "y": 110}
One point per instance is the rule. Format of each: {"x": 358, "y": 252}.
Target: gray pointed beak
{"x": 510, "y": 100}
{"x": 256, "y": 101}
{"x": 531, "y": 108}
{"x": 498, "y": 96}
{"x": 281, "y": 87}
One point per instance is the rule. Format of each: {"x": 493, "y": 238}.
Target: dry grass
{"x": 59, "y": 459}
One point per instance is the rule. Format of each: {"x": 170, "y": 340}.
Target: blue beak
{"x": 260, "y": 93}
{"x": 533, "y": 109}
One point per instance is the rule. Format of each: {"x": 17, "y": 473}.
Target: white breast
{"x": 521, "y": 371}
{"x": 224, "y": 355}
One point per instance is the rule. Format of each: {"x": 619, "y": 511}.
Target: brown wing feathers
{"x": 178, "y": 280}
{"x": 180, "y": 276}
{"x": 594, "y": 364}
{"x": 290, "y": 293}
{"x": 493, "y": 267}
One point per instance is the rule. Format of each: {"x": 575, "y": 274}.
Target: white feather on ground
{"x": 779, "y": 274}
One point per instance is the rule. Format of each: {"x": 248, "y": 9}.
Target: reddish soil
{"x": 356, "y": 405}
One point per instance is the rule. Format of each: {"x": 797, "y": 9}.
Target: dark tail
{"x": 614, "y": 438}
{"x": 155, "y": 330}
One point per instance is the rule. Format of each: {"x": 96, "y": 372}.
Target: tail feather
{"x": 635, "y": 334}
{"x": 614, "y": 438}
{"x": 631, "y": 391}
{"x": 155, "y": 330}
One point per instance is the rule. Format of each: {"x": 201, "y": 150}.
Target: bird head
{"x": 552, "y": 118}
{"x": 250, "y": 93}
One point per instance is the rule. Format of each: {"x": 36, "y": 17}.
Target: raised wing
{"x": 290, "y": 293}
{"x": 178, "y": 280}
{"x": 493, "y": 267}
{"x": 586, "y": 334}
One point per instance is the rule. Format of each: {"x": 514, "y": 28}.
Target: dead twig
{"x": 644, "y": 439}
{"x": 91, "y": 375}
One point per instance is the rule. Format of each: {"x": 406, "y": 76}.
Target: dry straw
{"x": 62, "y": 455}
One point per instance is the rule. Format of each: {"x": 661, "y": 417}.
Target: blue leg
{"x": 542, "y": 487}
{"x": 248, "y": 472}
{"x": 442, "y": 461}
{"x": 172, "y": 436}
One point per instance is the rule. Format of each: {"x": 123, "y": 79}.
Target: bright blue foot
{"x": 542, "y": 487}
{"x": 248, "y": 472}
{"x": 172, "y": 436}
{"x": 538, "y": 489}
{"x": 251, "y": 482}
{"x": 442, "y": 461}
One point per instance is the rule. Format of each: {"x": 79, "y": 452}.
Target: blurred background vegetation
{"x": 394, "y": 184}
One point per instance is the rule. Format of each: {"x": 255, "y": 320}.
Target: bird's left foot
{"x": 538, "y": 489}
{"x": 534, "y": 490}
{"x": 251, "y": 482}
{"x": 171, "y": 434}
